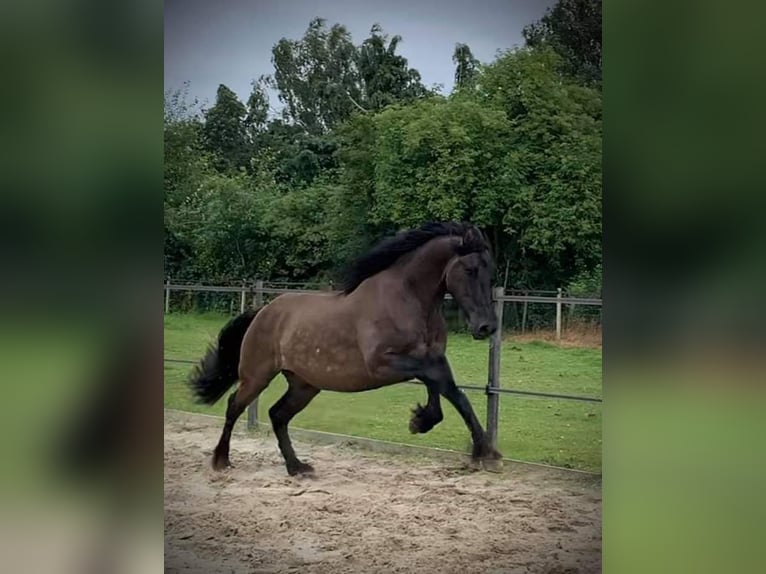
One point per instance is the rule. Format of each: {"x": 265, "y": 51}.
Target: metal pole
{"x": 493, "y": 378}
{"x": 252, "y": 415}
{"x": 252, "y": 409}
{"x": 167, "y": 296}
{"x": 558, "y": 314}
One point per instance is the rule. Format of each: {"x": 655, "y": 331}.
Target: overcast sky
{"x": 209, "y": 42}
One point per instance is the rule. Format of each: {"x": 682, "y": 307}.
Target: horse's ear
{"x": 472, "y": 241}
{"x": 473, "y": 237}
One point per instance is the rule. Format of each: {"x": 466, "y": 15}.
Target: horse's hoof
{"x": 300, "y": 468}
{"x": 474, "y": 464}
{"x": 221, "y": 463}
{"x": 416, "y": 425}
{"x": 485, "y": 457}
{"x": 422, "y": 420}
{"x": 416, "y": 422}
{"x": 493, "y": 455}
{"x": 492, "y": 464}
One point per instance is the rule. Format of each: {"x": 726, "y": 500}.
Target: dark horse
{"x": 385, "y": 327}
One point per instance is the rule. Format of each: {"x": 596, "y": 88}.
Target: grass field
{"x": 563, "y": 433}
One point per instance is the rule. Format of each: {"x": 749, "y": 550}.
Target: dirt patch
{"x": 367, "y": 512}
{"x": 581, "y": 336}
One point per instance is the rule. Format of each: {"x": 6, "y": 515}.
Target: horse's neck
{"x": 424, "y": 272}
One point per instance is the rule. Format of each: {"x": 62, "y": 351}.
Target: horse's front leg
{"x": 424, "y": 418}
{"x": 438, "y": 375}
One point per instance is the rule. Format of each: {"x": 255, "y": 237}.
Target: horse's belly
{"x": 331, "y": 369}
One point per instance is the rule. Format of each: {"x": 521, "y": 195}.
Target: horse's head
{"x": 469, "y": 278}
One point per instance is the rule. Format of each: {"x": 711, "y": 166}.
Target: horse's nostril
{"x": 484, "y": 329}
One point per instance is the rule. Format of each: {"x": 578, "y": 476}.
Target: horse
{"x": 385, "y": 326}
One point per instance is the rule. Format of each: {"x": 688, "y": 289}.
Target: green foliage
{"x": 554, "y": 158}
{"x": 363, "y": 149}
{"x": 324, "y": 78}
{"x": 353, "y": 230}
{"x": 385, "y": 76}
{"x": 225, "y": 131}
{"x": 186, "y": 164}
{"x": 184, "y": 157}
{"x": 586, "y": 283}
{"x": 257, "y": 109}
{"x": 438, "y": 160}
{"x": 295, "y": 156}
{"x": 223, "y": 221}
{"x": 573, "y": 29}
{"x": 185, "y": 160}
{"x": 466, "y": 67}
{"x": 316, "y": 76}
{"x": 299, "y": 224}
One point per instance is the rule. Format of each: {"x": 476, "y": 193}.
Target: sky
{"x": 209, "y": 42}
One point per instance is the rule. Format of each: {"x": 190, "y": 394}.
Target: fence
{"x": 527, "y": 309}
{"x": 255, "y": 292}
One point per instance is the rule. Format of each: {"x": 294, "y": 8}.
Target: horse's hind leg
{"x": 298, "y": 395}
{"x": 250, "y": 387}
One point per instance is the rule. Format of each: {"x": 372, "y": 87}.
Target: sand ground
{"x": 367, "y": 512}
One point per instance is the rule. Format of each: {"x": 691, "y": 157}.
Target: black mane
{"x": 390, "y": 249}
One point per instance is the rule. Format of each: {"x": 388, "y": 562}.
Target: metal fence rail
{"x": 487, "y": 390}
{"x": 256, "y": 290}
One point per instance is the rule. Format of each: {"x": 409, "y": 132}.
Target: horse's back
{"x": 290, "y": 312}
{"x": 312, "y": 335}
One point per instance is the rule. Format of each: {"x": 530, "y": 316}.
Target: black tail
{"x": 219, "y": 369}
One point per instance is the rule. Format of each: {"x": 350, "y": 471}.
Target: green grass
{"x": 563, "y": 433}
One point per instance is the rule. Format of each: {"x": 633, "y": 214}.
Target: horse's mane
{"x": 390, "y": 249}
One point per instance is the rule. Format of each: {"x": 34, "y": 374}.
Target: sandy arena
{"x": 367, "y": 512}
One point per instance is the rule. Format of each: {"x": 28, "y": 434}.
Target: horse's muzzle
{"x": 484, "y": 330}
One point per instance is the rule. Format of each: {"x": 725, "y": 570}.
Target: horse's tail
{"x": 219, "y": 368}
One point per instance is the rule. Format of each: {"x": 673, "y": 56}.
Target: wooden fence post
{"x": 493, "y": 377}
{"x": 258, "y": 298}
{"x": 167, "y": 296}
{"x": 524, "y": 315}
{"x": 242, "y": 296}
{"x": 558, "y": 314}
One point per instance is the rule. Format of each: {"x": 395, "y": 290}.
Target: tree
{"x": 225, "y": 131}
{"x": 185, "y": 165}
{"x": 573, "y": 29}
{"x": 466, "y": 66}
{"x": 438, "y": 160}
{"x": 363, "y": 150}
{"x": 324, "y": 78}
{"x": 386, "y": 76}
{"x": 184, "y": 156}
{"x": 222, "y": 223}
{"x": 554, "y": 164}
{"x": 295, "y": 157}
{"x": 316, "y": 76}
{"x": 300, "y": 224}
{"x": 257, "y": 109}
{"x": 353, "y": 231}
